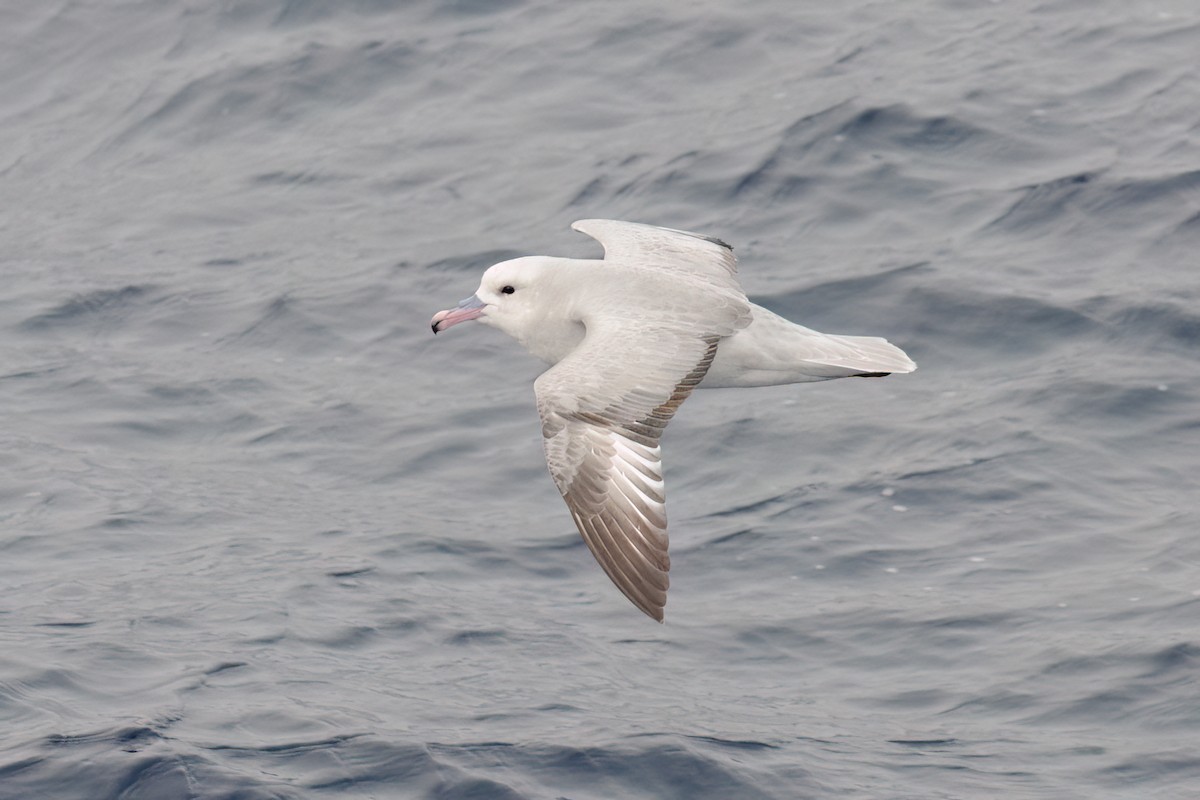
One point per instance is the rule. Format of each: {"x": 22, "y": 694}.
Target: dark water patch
{"x": 559, "y": 707}
{"x": 735, "y": 744}
{"x": 643, "y": 768}
{"x": 185, "y": 394}
{"x": 124, "y": 774}
{"x": 1010, "y": 325}
{"x": 689, "y": 172}
{"x": 296, "y": 178}
{"x": 1161, "y": 322}
{"x": 892, "y": 151}
{"x": 350, "y": 572}
{"x": 591, "y": 191}
{"x": 953, "y": 633}
{"x": 847, "y": 292}
{"x": 974, "y": 470}
{"x": 1123, "y": 702}
{"x": 1118, "y": 199}
{"x": 796, "y": 141}
{"x": 148, "y": 430}
{"x": 100, "y": 307}
{"x": 477, "y": 637}
{"x": 899, "y": 128}
{"x": 939, "y": 134}
{"x": 773, "y": 506}
{"x": 1098, "y": 198}
{"x": 280, "y": 433}
{"x": 995, "y": 621}
{"x": 135, "y": 739}
{"x": 1188, "y": 228}
{"x": 355, "y": 760}
{"x": 1184, "y": 657}
{"x": 451, "y": 546}
{"x": 229, "y": 262}
{"x": 476, "y": 789}
{"x": 1161, "y": 663}
{"x": 31, "y": 373}
{"x": 299, "y": 746}
{"x": 55, "y": 680}
{"x": 739, "y": 538}
{"x": 1182, "y": 767}
{"x": 345, "y": 638}
{"x": 927, "y": 743}
{"x": 225, "y": 667}
{"x": 1138, "y": 686}
{"x": 284, "y": 323}
{"x": 1040, "y": 208}
{"x": 400, "y": 626}
{"x": 271, "y": 93}
{"x": 916, "y": 699}
{"x": 1000, "y": 702}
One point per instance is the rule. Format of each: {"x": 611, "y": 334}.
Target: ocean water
{"x": 263, "y": 536}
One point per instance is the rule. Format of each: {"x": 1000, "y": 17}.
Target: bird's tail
{"x": 858, "y": 356}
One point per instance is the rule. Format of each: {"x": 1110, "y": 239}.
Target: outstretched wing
{"x": 603, "y": 409}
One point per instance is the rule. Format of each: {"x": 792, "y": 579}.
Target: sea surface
{"x": 263, "y": 536}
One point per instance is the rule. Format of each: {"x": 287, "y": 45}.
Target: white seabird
{"x": 628, "y": 338}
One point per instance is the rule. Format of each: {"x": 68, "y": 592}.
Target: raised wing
{"x": 688, "y": 256}
{"x": 603, "y": 410}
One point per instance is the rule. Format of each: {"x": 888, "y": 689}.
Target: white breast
{"x": 553, "y": 340}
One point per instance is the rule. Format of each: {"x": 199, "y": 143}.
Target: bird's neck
{"x": 553, "y": 339}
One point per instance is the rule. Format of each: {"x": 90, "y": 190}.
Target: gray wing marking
{"x": 601, "y": 422}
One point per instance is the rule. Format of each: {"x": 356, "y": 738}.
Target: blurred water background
{"x": 263, "y": 536}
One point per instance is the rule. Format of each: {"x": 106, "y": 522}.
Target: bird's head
{"x": 508, "y": 297}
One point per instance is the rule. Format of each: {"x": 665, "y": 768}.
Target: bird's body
{"x": 628, "y": 338}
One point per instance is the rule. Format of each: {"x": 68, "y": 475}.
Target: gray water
{"x": 263, "y": 536}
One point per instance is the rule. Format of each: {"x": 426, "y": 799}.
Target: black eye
{"x": 507, "y": 290}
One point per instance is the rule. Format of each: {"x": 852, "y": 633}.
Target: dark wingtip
{"x": 872, "y": 375}
{"x": 711, "y": 240}
{"x": 704, "y": 237}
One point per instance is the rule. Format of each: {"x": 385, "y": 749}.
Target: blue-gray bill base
{"x": 628, "y": 338}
